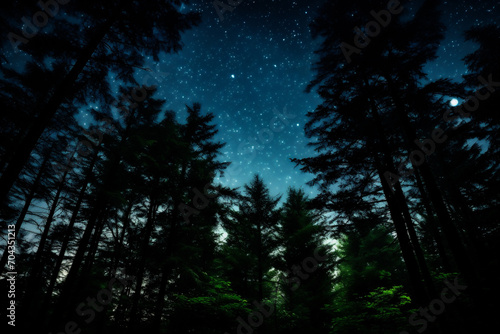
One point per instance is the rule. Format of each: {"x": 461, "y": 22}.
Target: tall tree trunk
{"x": 119, "y": 245}
{"x": 394, "y": 201}
{"x": 65, "y": 243}
{"x": 461, "y": 255}
{"x": 148, "y": 229}
{"x": 93, "y": 247}
{"x": 454, "y": 241}
{"x": 156, "y": 323}
{"x": 431, "y": 223}
{"x": 160, "y": 302}
{"x": 419, "y": 294}
{"x": 71, "y": 278}
{"x": 34, "y": 288}
{"x": 174, "y": 229}
{"x": 459, "y": 203}
{"x": 41, "y": 245}
{"x": 27, "y": 204}
{"x": 416, "y": 243}
{"x": 260, "y": 271}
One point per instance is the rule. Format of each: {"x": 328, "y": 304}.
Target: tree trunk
{"x": 34, "y": 287}
{"x": 416, "y": 244}
{"x": 172, "y": 238}
{"x": 71, "y": 278}
{"x": 119, "y": 244}
{"x": 260, "y": 271}
{"x": 432, "y": 224}
{"x": 394, "y": 202}
{"x": 24, "y": 211}
{"x": 160, "y": 302}
{"x": 46, "y": 229}
{"x": 454, "y": 241}
{"x": 419, "y": 294}
{"x": 74, "y": 216}
{"x": 148, "y": 229}
{"x": 94, "y": 246}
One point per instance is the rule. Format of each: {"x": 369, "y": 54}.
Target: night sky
{"x": 256, "y": 63}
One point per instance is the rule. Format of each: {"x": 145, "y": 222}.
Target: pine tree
{"x": 351, "y": 125}
{"x": 307, "y": 286}
{"x": 252, "y": 239}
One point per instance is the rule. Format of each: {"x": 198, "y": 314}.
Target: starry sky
{"x": 253, "y": 66}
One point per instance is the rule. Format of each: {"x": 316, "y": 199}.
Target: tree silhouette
{"x": 104, "y": 51}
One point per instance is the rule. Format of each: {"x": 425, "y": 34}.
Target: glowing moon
{"x": 454, "y": 102}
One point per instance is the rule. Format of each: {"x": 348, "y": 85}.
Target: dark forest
{"x": 368, "y": 205}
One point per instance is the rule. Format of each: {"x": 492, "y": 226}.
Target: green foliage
{"x": 388, "y": 303}
{"x": 301, "y": 234}
{"x": 383, "y": 310}
{"x": 211, "y": 308}
{"x": 252, "y": 240}
{"x": 367, "y": 298}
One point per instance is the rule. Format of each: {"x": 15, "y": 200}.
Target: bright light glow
{"x": 454, "y": 102}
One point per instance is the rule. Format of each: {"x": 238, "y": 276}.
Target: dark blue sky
{"x": 256, "y": 63}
